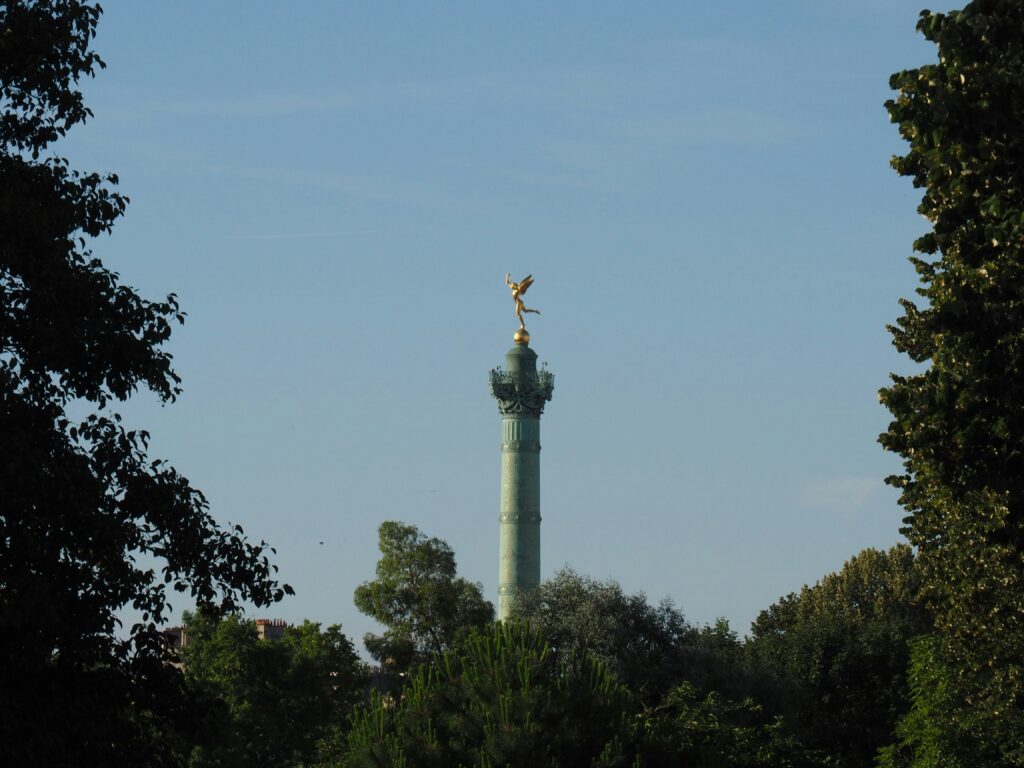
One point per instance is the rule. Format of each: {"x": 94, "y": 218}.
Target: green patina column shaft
{"x": 521, "y": 391}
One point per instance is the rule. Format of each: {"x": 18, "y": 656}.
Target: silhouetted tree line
{"x": 909, "y": 658}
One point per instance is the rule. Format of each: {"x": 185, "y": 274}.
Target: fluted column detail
{"x": 522, "y": 392}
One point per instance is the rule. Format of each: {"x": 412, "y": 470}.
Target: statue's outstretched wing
{"x": 525, "y": 283}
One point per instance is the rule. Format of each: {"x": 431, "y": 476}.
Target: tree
{"x": 89, "y": 524}
{"x": 426, "y": 608}
{"x": 932, "y": 734}
{"x": 269, "y": 702}
{"x": 501, "y": 699}
{"x": 506, "y": 699}
{"x": 650, "y": 649}
{"x": 841, "y": 648}
{"x": 958, "y": 424}
{"x": 691, "y": 728}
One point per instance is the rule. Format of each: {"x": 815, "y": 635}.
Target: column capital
{"x": 520, "y": 389}
{"x": 521, "y": 394}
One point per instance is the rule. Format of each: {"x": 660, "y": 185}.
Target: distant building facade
{"x": 176, "y": 636}
{"x": 271, "y": 629}
{"x": 266, "y": 629}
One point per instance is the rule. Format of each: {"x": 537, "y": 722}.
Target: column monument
{"x": 521, "y": 391}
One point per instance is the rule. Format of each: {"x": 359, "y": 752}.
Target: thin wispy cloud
{"x": 539, "y": 174}
{"x": 840, "y": 494}
{"x": 723, "y": 126}
{"x": 425, "y": 193}
{"x": 401, "y": 93}
{"x": 255, "y": 105}
{"x": 588, "y": 89}
{"x": 314, "y": 235}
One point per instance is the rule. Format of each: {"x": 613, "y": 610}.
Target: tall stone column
{"x": 521, "y": 391}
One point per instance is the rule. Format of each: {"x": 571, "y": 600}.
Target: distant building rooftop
{"x": 266, "y": 629}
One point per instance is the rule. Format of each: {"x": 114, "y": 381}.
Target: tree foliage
{"x": 501, "y": 699}
{"x": 958, "y": 424}
{"x": 651, "y": 649}
{"x": 708, "y": 729}
{"x": 506, "y": 699}
{"x": 840, "y": 650}
{"x": 933, "y": 734}
{"x": 89, "y": 524}
{"x": 269, "y": 702}
{"x": 417, "y": 595}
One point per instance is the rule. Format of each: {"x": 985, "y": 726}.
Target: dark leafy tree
{"x": 281, "y": 702}
{"x": 89, "y": 524}
{"x": 840, "y": 651}
{"x": 933, "y": 734}
{"x": 501, "y": 699}
{"x": 417, "y": 595}
{"x": 506, "y": 699}
{"x": 651, "y": 649}
{"x": 707, "y": 729}
{"x": 959, "y": 423}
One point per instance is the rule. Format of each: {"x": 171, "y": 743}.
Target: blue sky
{"x": 701, "y": 190}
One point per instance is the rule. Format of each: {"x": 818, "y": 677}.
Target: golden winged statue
{"x": 518, "y": 289}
